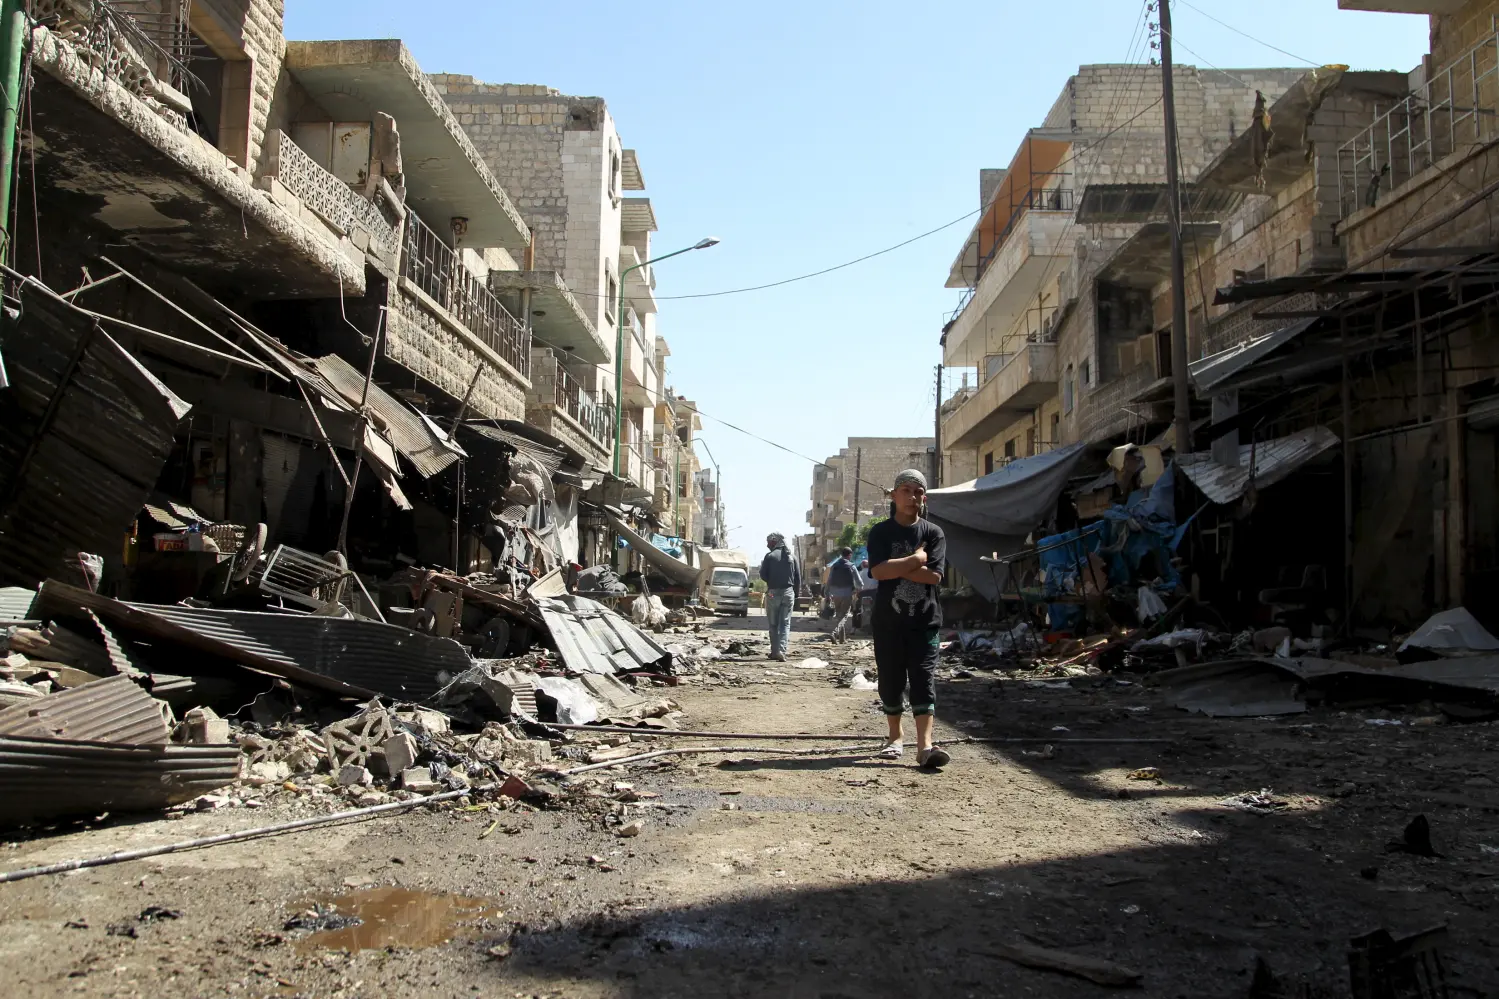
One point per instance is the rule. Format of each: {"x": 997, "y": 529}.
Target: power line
{"x": 1239, "y": 31}
{"x": 813, "y": 274}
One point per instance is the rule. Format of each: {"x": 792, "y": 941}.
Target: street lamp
{"x": 619, "y": 343}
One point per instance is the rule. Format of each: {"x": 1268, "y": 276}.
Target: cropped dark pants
{"x": 906, "y": 657}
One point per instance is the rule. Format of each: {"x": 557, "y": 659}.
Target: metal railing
{"x": 129, "y": 41}
{"x": 1056, "y": 199}
{"x": 1453, "y": 109}
{"x": 437, "y": 270}
{"x": 597, "y": 417}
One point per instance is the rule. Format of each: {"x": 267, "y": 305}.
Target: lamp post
{"x": 619, "y": 343}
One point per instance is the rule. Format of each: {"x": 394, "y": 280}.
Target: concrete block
{"x": 400, "y": 752}
{"x": 418, "y": 780}
{"x": 205, "y": 728}
{"x": 353, "y": 773}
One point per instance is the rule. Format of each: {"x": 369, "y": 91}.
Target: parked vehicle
{"x": 728, "y": 591}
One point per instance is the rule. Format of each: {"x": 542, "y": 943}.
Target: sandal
{"x": 891, "y": 751}
{"x": 934, "y": 757}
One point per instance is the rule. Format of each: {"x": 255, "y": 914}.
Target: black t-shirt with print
{"x": 901, "y": 602}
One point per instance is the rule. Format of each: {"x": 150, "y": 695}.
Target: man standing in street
{"x": 908, "y": 555}
{"x": 841, "y": 583}
{"x": 783, "y": 581}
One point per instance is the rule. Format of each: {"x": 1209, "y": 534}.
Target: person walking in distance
{"x": 908, "y": 555}
{"x": 783, "y": 581}
{"x": 841, "y": 583}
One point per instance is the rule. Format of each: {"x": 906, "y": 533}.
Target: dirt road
{"x": 826, "y": 877}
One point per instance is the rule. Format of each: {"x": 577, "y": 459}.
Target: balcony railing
{"x": 436, "y": 269}
{"x": 1056, "y": 199}
{"x": 325, "y": 194}
{"x": 1453, "y": 109}
{"x": 597, "y": 417}
{"x": 130, "y": 41}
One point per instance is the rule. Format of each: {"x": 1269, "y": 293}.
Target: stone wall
{"x": 422, "y": 343}
{"x": 1453, "y": 35}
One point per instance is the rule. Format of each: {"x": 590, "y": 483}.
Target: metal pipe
{"x": 234, "y": 837}
{"x": 803, "y": 737}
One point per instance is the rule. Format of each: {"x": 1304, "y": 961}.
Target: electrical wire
{"x": 1239, "y": 31}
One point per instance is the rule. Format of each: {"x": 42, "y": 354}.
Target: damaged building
{"x": 295, "y": 394}
{"x": 1335, "y": 229}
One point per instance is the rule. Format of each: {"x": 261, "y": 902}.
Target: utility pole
{"x": 937, "y": 436}
{"x": 1183, "y": 416}
{"x": 858, "y": 481}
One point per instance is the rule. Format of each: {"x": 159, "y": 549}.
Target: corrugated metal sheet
{"x": 113, "y": 709}
{"x": 591, "y": 638}
{"x": 57, "y": 778}
{"x": 87, "y": 431}
{"x": 15, "y": 603}
{"x": 1273, "y": 461}
{"x": 547, "y": 457}
{"x": 1216, "y": 369}
{"x": 407, "y": 432}
{"x": 340, "y": 655}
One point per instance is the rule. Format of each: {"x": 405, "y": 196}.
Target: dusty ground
{"x": 842, "y": 877}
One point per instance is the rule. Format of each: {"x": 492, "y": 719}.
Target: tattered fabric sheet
{"x": 993, "y": 515}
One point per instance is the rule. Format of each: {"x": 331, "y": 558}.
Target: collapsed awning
{"x": 673, "y": 568}
{"x": 410, "y": 434}
{"x": 992, "y": 515}
{"x": 1217, "y": 372}
{"x": 1261, "y": 464}
{"x": 87, "y": 430}
{"x": 1012, "y": 499}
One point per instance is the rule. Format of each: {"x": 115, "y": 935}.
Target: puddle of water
{"x": 399, "y": 917}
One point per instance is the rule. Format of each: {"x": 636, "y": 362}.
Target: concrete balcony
{"x": 1026, "y": 381}
{"x": 559, "y": 404}
{"x": 1038, "y": 243}
{"x": 1404, "y": 6}
{"x": 640, "y": 282}
{"x": 111, "y": 144}
{"x": 642, "y": 386}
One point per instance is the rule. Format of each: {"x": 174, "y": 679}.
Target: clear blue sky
{"x": 807, "y": 134}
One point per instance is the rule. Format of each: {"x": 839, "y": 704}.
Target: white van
{"x": 728, "y": 590}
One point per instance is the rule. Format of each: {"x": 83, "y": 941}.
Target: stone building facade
{"x": 1024, "y": 330}
{"x": 563, "y": 159}
{"x": 851, "y": 486}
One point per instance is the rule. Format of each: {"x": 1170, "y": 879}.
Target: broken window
{"x": 1087, "y": 374}
{"x": 1067, "y": 391}
{"x": 611, "y": 292}
{"x": 988, "y": 462}
{"x": 1163, "y": 353}
{"x": 1010, "y": 447}
{"x": 614, "y": 173}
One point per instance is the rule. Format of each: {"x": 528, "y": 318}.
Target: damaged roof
{"x": 113, "y": 709}
{"x": 52, "y": 778}
{"x": 87, "y": 430}
{"x": 593, "y": 639}
{"x": 410, "y": 434}
{"x": 340, "y": 655}
{"x": 1272, "y": 461}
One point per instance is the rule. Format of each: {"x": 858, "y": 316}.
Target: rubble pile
{"x": 113, "y": 706}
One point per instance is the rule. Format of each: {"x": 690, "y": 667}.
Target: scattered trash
{"x": 1260, "y": 802}
{"x": 812, "y": 663}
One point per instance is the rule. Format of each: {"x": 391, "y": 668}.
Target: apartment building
{"x": 563, "y": 159}
{"x": 849, "y": 487}
{"x": 1024, "y": 329}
